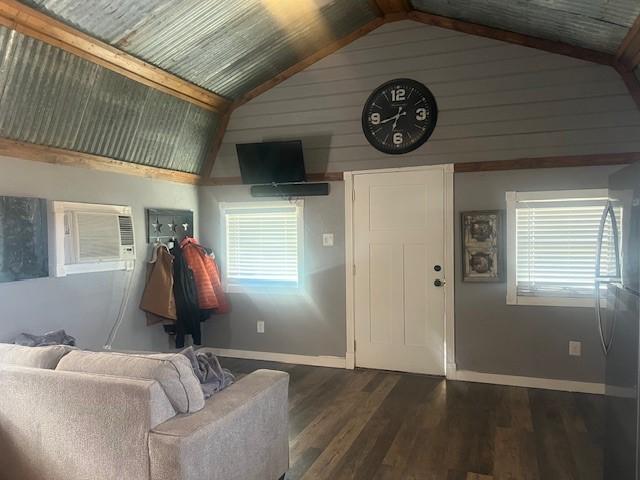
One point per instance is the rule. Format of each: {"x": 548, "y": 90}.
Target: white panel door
{"x": 398, "y": 223}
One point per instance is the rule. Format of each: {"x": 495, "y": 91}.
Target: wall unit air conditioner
{"x": 92, "y": 238}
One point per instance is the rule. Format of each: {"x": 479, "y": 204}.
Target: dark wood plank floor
{"x": 373, "y": 425}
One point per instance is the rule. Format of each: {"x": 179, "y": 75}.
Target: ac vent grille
{"x": 126, "y": 231}
{"x": 97, "y": 237}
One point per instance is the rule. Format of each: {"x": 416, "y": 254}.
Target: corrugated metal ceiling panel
{"x": 595, "y": 24}
{"x": 106, "y": 20}
{"x": 51, "y": 97}
{"x": 228, "y": 47}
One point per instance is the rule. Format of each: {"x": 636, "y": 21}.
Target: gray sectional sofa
{"x": 67, "y": 414}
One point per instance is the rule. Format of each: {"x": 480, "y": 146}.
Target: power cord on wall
{"x": 123, "y": 308}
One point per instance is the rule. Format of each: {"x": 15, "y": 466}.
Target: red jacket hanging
{"x": 211, "y": 296}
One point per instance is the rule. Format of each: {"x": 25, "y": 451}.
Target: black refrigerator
{"x": 617, "y": 319}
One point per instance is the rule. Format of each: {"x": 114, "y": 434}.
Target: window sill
{"x": 263, "y": 289}
{"x": 553, "y": 301}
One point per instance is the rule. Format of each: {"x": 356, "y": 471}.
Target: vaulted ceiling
{"x": 227, "y": 47}
{"x": 157, "y": 79}
{"x": 595, "y": 24}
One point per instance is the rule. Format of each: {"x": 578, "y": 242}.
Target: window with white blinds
{"x": 262, "y": 243}
{"x": 552, "y": 246}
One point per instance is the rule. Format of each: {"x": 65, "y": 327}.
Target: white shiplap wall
{"x": 496, "y": 101}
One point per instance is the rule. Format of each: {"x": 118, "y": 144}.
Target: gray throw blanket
{"x": 57, "y": 337}
{"x": 206, "y": 366}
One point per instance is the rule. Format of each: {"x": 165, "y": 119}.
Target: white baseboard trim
{"x": 452, "y": 373}
{"x": 530, "y": 382}
{"x": 316, "y": 361}
{"x": 350, "y": 361}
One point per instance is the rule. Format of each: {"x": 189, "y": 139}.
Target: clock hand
{"x": 395, "y": 117}
{"x": 388, "y": 119}
{"x": 400, "y": 113}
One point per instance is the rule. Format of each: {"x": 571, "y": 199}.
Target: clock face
{"x": 399, "y": 116}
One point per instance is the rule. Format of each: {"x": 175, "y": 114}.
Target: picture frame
{"x": 483, "y": 246}
{"x": 24, "y": 239}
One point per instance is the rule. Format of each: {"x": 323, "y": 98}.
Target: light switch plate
{"x": 327, "y": 239}
{"x": 260, "y": 326}
{"x": 575, "y": 349}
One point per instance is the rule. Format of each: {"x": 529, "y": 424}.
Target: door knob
{"x": 439, "y": 283}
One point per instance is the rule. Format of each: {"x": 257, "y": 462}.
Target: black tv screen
{"x": 271, "y": 162}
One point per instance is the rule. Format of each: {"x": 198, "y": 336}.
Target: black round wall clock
{"x": 399, "y": 116}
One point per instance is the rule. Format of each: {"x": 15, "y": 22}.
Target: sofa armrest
{"x": 241, "y": 434}
{"x": 71, "y": 426}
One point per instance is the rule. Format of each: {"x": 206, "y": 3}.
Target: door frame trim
{"x": 449, "y": 261}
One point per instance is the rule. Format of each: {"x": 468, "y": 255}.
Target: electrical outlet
{"x": 260, "y": 326}
{"x": 575, "y": 349}
{"x": 327, "y": 239}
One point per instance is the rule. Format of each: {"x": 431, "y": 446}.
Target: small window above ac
{"x": 91, "y": 238}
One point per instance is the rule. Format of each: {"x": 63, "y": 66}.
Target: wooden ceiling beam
{"x": 628, "y": 55}
{"x": 35, "y": 24}
{"x": 392, "y": 10}
{"x": 631, "y": 81}
{"x": 308, "y": 61}
{"x": 215, "y": 146}
{"x": 549, "y": 162}
{"x": 70, "y": 158}
{"x": 513, "y": 37}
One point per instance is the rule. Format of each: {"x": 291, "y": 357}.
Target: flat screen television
{"x": 271, "y": 162}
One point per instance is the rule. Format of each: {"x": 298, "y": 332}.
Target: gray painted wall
{"x": 496, "y": 101}
{"x": 309, "y": 323}
{"x": 86, "y": 305}
{"x": 494, "y": 337}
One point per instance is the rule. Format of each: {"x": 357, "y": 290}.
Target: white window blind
{"x": 556, "y": 242}
{"x": 262, "y": 244}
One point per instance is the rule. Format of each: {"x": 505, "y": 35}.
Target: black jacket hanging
{"x": 185, "y": 291}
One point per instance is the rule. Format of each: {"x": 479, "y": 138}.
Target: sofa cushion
{"x": 34, "y": 357}
{"x": 172, "y": 371}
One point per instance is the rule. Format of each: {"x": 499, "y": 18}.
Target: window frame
{"x": 268, "y": 287}
{"x": 512, "y": 199}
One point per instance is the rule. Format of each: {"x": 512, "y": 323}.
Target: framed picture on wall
{"x": 24, "y": 250}
{"x": 483, "y": 246}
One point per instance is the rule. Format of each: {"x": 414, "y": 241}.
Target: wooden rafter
{"x": 630, "y": 80}
{"x": 215, "y": 146}
{"x": 308, "y": 61}
{"x": 59, "y": 156}
{"x": 37, "y": 25}
{"x": 392, "y": 10}
{"x": 513, "y": 37}
{"x": 628, "y": 55}
{"x": 549, "y": 162}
